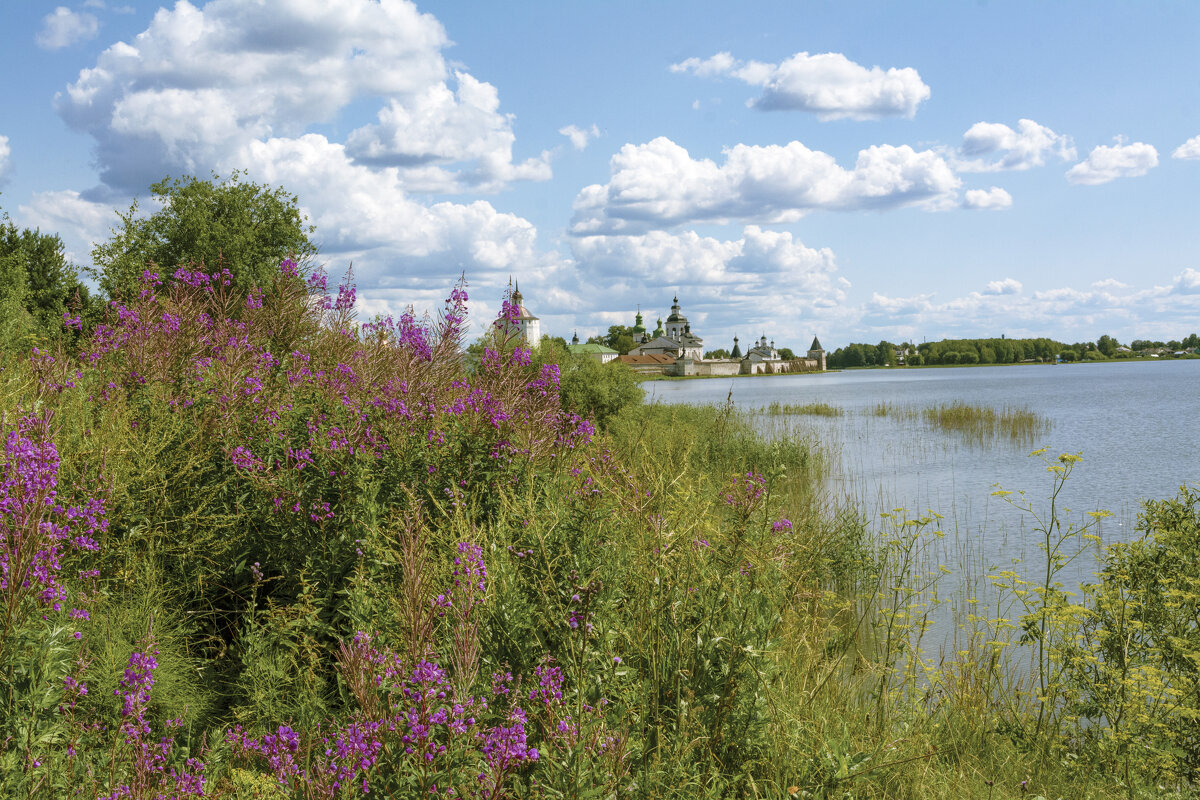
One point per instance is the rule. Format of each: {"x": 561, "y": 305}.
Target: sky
{"x": 856, "y": 171}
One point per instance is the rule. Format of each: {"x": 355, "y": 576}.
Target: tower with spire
{"x": 817, "y": 353}
{"x": 529, "y": 327}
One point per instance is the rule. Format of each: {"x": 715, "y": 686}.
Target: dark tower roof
{"x": 737, "y": 351}
{"x": 575, "y": 338}
{"x": 676, "y": 317}
{"x": 816, "y": 345}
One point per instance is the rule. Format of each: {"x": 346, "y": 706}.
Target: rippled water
{"x": 1136, "y": 424}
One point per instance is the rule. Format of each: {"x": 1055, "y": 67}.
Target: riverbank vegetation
{"x": 255, "y": 548}
{"x": 252, "y": 546}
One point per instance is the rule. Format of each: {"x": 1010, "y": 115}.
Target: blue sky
{"x": 856, "y": 171}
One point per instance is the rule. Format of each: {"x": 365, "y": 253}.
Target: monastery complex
{"x": 674, "y": 349}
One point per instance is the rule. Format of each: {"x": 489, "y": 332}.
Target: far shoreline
{"x": 1134, "y": 360}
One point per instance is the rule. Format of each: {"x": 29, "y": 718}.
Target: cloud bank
{"x": 826, "y": 84}
{"x": 201, "y": 83}
{"x": 230, "y": 85}
{"x": 659, "y": 185}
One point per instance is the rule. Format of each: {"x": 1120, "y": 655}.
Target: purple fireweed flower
{"x": 470, "y": 573}
{"x": 745, "y": 491}
{"x": 547, "y": 384}
{"x": 550, "y": 682}
{"x": 506, "y": 746}
{"x": 782, "y": 525}
{"x": 35, "y": 525}
{"x": 574, "y": 430}
{"x": 243, "y": 459}
{"x": 520, "y": 356}
{"x": 138, "y": 680}
{"x": 345, "y": 298}
{"x": 500, "y": 682}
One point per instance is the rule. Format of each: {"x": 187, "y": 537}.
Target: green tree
{"x": 37, "y": 285}
{"x": 721, "y": 353}
{"x": 1107, "y": 345}
{"x": 854, "y": 356}
{"x": 241, "y": 226}
{"x": 786, "y": 353}
{"x": 619, "y": 338}
{"x": 599, "y": 392}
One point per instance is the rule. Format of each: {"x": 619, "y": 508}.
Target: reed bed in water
{"x": 812, "y": 409}
{"x": 984, "y": 423}
{"x": 978, "y": 424}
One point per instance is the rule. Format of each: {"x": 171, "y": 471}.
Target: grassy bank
{"x": 254, "y": 548}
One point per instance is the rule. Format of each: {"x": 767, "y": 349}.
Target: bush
{"x": 1143, "y": 691}
{"x": 599, "y": 392}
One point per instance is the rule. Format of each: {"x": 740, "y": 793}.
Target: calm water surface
{"x": 1136, "y": 424}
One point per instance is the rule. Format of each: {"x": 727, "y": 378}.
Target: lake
{"x": 1136, "y": 424}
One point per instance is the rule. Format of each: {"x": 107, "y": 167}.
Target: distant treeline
{"x": 998, "y": 351}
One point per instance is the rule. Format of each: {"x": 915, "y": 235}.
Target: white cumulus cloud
{"x": 1189, "y": 149}
{"x": 364, "y": 215}
{"x": 1006, "y": 286}
{"x": 827, "y": 84}
{"x": 579, "y": 136}
{"x": 203, "y": 82}
{"x": 63, "y": 27}
{"x": 80, "y": 222}
{"x": 440, "y": 126}
{"x": 993, "y": 146}
{"x": 1187, "y": 282}
{"x": 228, "y": 85}
{"x": 659, "y": 184}
{"x": 993, "y": 198}
{"x": 1106, "y": 163}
